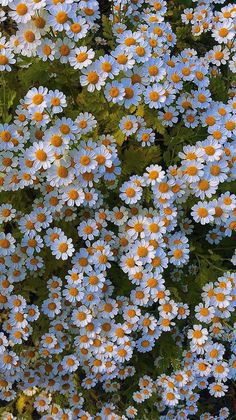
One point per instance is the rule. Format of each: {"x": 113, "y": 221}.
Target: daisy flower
{"x": 130, "y": 193}
{"x": 123, "y": 59}
{"x": 62, "y": 248}
{"x": 78, "y": 28}
{"x": 145, "y": 136}
{"x": 204, "y": 313}
{"x": 56, "y": 101}
{"x": 223, "y": 32}
{"x": 129, "y": 124}
{"x": 218, "y": 389}
{"x": 108, "y": 66}
{"x": 203, "y": 212}
{"x": 85, "y": 160}
{"x": 41, "y": 154}
{"x": 60, "y": 173}
{"x": 7, "y": 244}
{"x": 86, "y": 122}
{"x": 6, "y": 59}
{"x": 59, "y": 17}
{"x": 72, "y": 293}
{"x": 114, "y": 92}
{"x": 35, "y": 99}
{"x": 198, "y": 334}
{"x": 70, "y": 363}
{"x": 93, "y": 78}
{"x": 81, "y": 57}
{"x": 21, "y": 11}
{"x": 7, "y": 213}
{"x": 64, "y": 48}
{"x": 88, "y": 229}
{"x": 29, "y": 39}
{"x": 73, "y": 195}
{"x": 132, "y": 94}
{"x": 154, "y": 96}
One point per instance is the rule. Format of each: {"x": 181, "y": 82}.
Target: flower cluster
{"x": 90, "y": 328}
{"x": 220, "y": 23}
{"x": 116, "y": 245}
{"x": 48, "y": 29}
{"x": 53, "y": 150}
{"x": 204, "y": 364}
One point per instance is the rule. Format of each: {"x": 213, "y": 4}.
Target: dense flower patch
{"x": 118, "y": 210}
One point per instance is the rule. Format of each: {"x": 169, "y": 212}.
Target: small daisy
{"x": 130, "y": 193}
{"x": 62, "y": 248}
{"x": 56, "y": 101}
{"x": 6, "y": 60}
{"x": 93, "y": 78}
{"x": 7, "y": 213}
{"x": 7, "y": 244}
{"x": 41, "y": 154}
{"x": 203, "y": 212}
{"x": 81, "y": 57}
{"x": 145, "y": 136}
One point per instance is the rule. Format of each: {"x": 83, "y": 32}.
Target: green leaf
{"x": 120, "y": 137}
{"x": 219, "y": 89}
{"x": 107, "y": 31}
{"x": 136, "y": 158}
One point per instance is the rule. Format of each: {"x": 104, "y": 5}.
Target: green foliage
{"x": 107, "y": 31}
{"x": 136, "y": 162}
{"x": 219, "y": 87}
{"x": 7, "y": 97}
